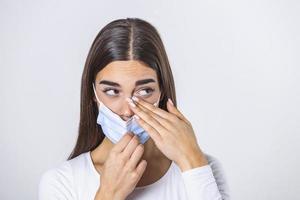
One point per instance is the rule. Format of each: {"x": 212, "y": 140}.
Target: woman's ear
{"x": 95, "y": 100}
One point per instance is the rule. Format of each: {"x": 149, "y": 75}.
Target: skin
{"x": 171, "y": 135}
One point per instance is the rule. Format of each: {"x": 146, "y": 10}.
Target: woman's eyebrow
{"x": 106, "y": 82}
{"x": 137, "y": 83}
{"x": 144, "y": 81}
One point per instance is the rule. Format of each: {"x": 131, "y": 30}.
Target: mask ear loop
{"x": 156, "y": 103}
{"x": 96, "y": 94}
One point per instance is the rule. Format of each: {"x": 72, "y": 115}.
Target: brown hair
{"x": 122, "y": 39}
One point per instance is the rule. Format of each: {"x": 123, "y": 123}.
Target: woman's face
{"x": 121, "y": 79}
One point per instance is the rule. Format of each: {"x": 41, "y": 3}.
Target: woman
{"x": 133, "y": 142}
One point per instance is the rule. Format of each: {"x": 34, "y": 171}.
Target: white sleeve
{"x": 57, "y": 184}
{"x": 207, "y": 182}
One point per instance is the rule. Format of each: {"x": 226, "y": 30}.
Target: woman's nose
{"x": 126, "y": 111}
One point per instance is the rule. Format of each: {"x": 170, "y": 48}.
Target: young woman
{"x": 133, "y": 142}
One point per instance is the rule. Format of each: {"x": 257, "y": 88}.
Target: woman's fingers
{"x": 141, "y": 168}
{"x": 153, "y": 108}
{"x": 153, "y": 123}
{"x": 130, "y": 149}
{"x": 155, "y": 135}
{"x": 133, "y": 154}
{"x": 131, "y": 146}
{"x": 164, "y": 122}
{"x": 121, "y": 145}
{"x": 136, "y": 156}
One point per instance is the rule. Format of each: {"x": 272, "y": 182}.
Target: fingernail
{"x": 135, "y": 98}
{"x": 128, "y": 99}
{"x": 170, "y": 101}
{"x": 130, "y": 102}
{"x": 137, "y": 117}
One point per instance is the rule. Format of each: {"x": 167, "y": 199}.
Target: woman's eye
{"x": 142, "y": 92}
{"x": 145, "y": 91}
{"x": 111, "y": 92}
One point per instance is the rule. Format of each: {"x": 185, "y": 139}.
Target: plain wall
{"x": 236, "y": 66}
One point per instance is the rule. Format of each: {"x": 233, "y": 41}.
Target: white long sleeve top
{"x": 77, "y": 179}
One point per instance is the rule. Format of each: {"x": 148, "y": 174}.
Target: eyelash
{"x": 150, "y": 90}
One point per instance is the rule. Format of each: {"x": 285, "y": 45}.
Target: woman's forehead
{"x": 123, "y": 71}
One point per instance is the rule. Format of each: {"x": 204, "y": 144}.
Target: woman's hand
{"x": 171, "y": 132}
{"x": 123, "y": 169}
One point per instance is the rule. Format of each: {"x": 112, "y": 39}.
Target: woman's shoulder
{"x": 59, "y": 180}
{"x": 66, "y": 168}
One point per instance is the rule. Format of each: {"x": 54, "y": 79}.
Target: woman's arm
{"x": 207, "y": 182}
{"x": 174, "y": 136}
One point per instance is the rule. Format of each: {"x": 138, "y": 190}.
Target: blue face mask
{"x": 114, "y": 127}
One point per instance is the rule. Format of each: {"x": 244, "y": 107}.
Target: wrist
{"x": 193, "y": 160}
{"x": 103, "y": 194}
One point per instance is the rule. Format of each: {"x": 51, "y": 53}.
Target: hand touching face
{"x": 171, "y": 131}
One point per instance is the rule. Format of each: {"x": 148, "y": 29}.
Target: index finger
{"x": 120, "y": 145}
{"x": 164, "y": 114}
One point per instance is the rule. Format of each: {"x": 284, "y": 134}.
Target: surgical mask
{"x": 114, "y": 127}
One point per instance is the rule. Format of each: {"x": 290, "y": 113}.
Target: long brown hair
{"x": 122, "y": 39}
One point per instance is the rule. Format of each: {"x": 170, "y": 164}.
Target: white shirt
{"x": 77, "y": 179}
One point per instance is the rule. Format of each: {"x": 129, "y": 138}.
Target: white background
{"x": 236, "y": 66}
